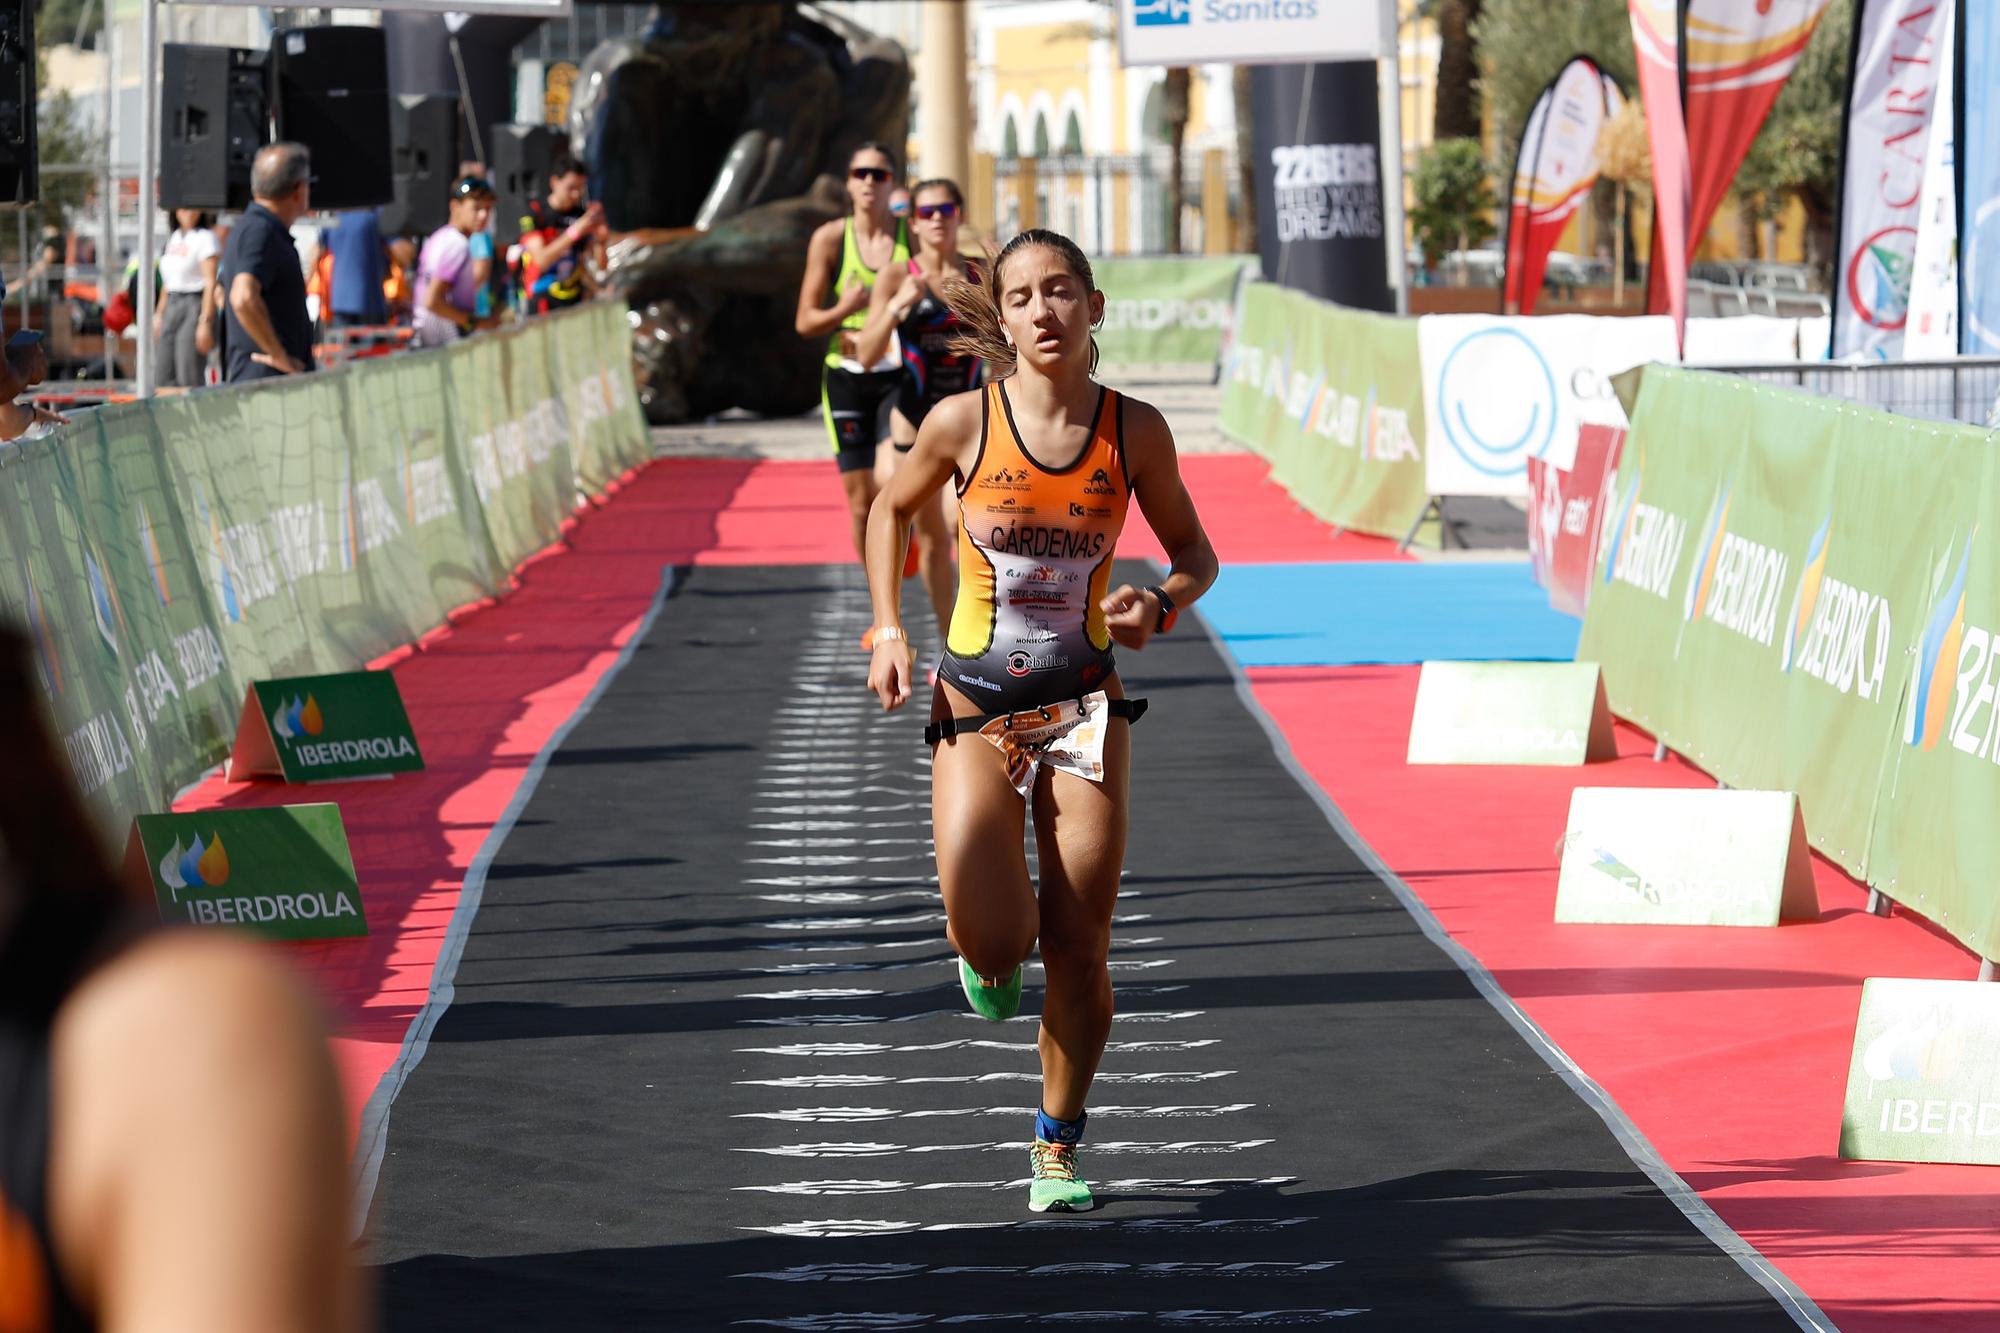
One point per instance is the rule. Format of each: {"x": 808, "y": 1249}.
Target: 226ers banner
{"x": 1736, "y": 56}
{"x": 1555, "y": 171}
{"x": 1899, "y": 52}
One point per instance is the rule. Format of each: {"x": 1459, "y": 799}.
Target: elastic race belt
{"x": 1129, "y": 709}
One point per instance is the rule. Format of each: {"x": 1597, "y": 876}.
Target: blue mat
{"x": 1351, "y": 613}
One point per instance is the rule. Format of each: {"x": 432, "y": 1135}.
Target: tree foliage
{"x": 1453, "y": 188}
{"x": 1525, "y": 43}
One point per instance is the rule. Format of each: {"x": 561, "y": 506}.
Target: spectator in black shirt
{"x": 267, "y": 329}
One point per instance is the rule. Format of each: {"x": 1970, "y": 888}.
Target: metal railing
{"x": 1960, "y": 390}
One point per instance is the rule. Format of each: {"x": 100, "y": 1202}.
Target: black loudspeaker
{"x": 214, "y": 116}
{"x": 520, "y": 162}
{"x": 20, "y": 172}
{"x": 424, "y": 162}
{"x": 330, "y": 89}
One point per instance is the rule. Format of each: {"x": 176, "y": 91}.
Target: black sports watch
{"x": 1168, "y": 611}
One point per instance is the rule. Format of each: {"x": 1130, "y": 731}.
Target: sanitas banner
{"x": 1798, "y": 599}
{"x": 1899, "y": 52}
{"x": 1554, "y": 172}
{"x": 1253, "y": 32}
{"x": 1333, "y": 398}
{"x": 165, "y": 554}
{"x": 1166, "y": 311}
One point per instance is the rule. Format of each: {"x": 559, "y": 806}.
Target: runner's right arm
{"x": 822, "y": 262}
{"x": 944, "y": 442}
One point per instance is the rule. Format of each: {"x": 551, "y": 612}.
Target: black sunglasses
{"x": 928, "y": 211}
{"x": 871, "y": 173}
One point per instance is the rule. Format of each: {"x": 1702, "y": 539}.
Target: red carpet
{"x": 483, "y": 695}
{"x": 1728, "y": 1047}
{"x": 732, "y": 512}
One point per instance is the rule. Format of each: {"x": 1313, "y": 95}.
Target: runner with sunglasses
{"x": 909, "y": 307}
{"x": 841, "y": 263}
{"x": 1028, "y": 708}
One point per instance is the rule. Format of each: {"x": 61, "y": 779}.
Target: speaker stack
{"x": 522, "y": 157}
{"x": 20, "y": 175}
{"x": 424, "y": 163}
{"x": 214, "y": 116}
{"x": 330, "y": 89}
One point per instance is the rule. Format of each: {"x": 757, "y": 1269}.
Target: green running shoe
{"x": 996, "y": 1004}
{"x": 1056, "y": 1188}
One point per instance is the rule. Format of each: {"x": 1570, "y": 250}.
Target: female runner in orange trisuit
{"x": 1028, "y": 703}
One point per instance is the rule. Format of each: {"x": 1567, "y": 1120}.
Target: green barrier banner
{"x": 324, "y": 728}
{"x": 165, "y": 555}
{"x": 1921, "y": 1083}
{"x": 1789, "y": 593}
{"x": 284, "y": 871}
{"x": 1334, "y": 398}
{"x": 1166, "y": 311}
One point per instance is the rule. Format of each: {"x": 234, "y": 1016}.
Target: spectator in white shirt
{"x": 184, "y": 319}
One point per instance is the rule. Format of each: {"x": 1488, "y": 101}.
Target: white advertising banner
{"x": 1899, "y": 51}
{"x": 1260, "y": 32}
{"x": 1499, "y": 391}
{"x": 1746, "y": 340}
{"x": 1933, "y": 328}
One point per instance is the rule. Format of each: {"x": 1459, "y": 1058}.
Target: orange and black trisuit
{"x": 1034, "y": 561}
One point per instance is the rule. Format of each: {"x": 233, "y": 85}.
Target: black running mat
{"x": 708, "y": 1066}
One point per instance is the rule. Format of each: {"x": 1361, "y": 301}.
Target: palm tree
{"x": 1457, "y": 110}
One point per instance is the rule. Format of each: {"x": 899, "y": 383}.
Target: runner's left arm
{"x": 1154, "y": 469}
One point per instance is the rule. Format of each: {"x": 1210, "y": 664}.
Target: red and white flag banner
{"x": 1554, "y": 172}
{"x": 1738, "y": 55}
{"x": 1899, "y": 52}
{"x": 1656, "y": 37}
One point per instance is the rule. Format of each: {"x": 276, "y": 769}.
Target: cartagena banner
{"x": 1656, "y": 41}
{"x": 1799, "y": 600}
{"x": 1333, "y": 398}
{"x": 1932, "y": 333}
{"x": 1977, "y": 157}
{"x": 1737, "y": 58}
{"x": 1554, "y": 172}
{"x": 1166, "y": 311}
{"x": 164, "y": 555}
{"x": 1899, "y": 52}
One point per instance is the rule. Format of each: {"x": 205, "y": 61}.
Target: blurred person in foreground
{"x": 172, "y": 1141}
{"x": 447, "y": 290}
{"x": 266, "y": 328}
{"x": 557, "y": 233}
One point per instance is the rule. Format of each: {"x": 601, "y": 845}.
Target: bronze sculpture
{"x": 717, "y": 142}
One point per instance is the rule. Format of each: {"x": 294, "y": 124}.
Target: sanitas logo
{"x": 1827, "y": 632}
{"x": 1645, "y": 544}
{"x": 300, "y": 717}
{"x": 1162, "y": 13}
{"x": 195, "y": 866}
{"x": 1736, "y": 581}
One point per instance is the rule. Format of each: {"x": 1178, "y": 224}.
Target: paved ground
{"x": 1186, "y": 394}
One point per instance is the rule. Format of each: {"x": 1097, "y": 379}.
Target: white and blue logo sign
{"x": 1496, "y": 401}
{"x": 1162, "y": 13}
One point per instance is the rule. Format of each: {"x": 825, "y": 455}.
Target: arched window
{"x": 1041, "y": 135}
{"x": 1010, "y": 140}
{"x": 1073, "y": 135}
